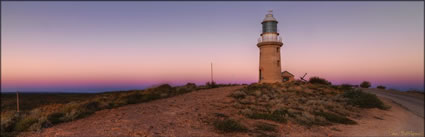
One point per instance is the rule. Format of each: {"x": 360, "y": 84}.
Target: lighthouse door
{"x": 260, "y": 75}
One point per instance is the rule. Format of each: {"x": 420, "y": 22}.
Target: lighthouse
{"x": 269, "y": 44}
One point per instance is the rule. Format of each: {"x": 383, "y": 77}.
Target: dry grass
{"x": 48, "y": 114}
{"x": 307, "y": 104}
{"x": 303, "y": 103}
{"x": 229, "y": 125}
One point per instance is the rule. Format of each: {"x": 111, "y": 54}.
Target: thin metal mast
{"x": 17, "y": 101}
{"x": 212, "y": 79}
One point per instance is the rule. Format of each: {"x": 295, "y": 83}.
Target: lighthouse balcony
{"x": 269, "y": 39}
{"x": 264, "y": 41}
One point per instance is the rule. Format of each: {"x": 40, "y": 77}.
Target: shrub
{"x": 318, "y": 80}
{"x": 265, "y": 127}
{"x": 211, "y": 85}
{"x": 150, "y": 96}
{"x": 56, "y": 117}
{"x": 91, "y": 106}
{"x": 182, "y": 90}
{"x": 335, "y": 118}
{"x": 190, "y": 86}
{"x": 134, "y": 98}
{"x": 253, "y": 87}
{"x": 365, "y": 84}
{"x": 345, "y": 86}
{"x": 229, "y": 125}
{"x": 275, "y": 116}
{"x": 381, "y": 87}
{"x": 25, "y": 123}
{"x": 164, "y": 88}
{"x": 8, "y": 121}
{"x": 363, "y": 99}
{"x": 238, "y": 94}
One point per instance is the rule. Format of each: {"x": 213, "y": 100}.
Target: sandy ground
{"x": 396, "y": 121}
{"x": 413, "y": 102}
{"x": 188, "y": 115}
{"x": 176, "y": 116}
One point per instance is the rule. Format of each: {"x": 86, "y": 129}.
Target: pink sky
{"x": 50, "y": 46}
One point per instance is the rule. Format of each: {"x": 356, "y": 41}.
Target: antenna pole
{"x": 212, "y": 80}
{"x": 17, "y": 101}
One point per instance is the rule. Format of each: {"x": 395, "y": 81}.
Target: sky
{"x": 98, "y": 46}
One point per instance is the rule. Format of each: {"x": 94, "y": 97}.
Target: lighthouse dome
{"x": 269, "y": 17}
{"x": 269, "y": 23}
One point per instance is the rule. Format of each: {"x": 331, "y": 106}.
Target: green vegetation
{"x": 267, "y": 116}
{"x": 365, "y": 84}
{"x": 229, "y": 125}
{"x": 318, "y": 80}
{"x": 56, "y": 117}
{"x": 277, "y": 115}
{"x": 265, "y": 127}
{"x": 25, "y": 123}
{"x": 346, "y": 87}
{"x": 381, "y": 87}
{"x": 29, "y": 101}
{"x": 334, "y": 118}
{"x": 364, "y": 100}
{"x": 313, "y": 103}
{"x": 211, "y": 84}
{"x": 41, "y": 110}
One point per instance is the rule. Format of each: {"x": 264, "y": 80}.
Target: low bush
{"x": 134, "y": 98}
{"x": 150, "y": 97}
{"x": 334, "y": 118}
{"x": 211, "y": 85}
{"x": 345, "y": 87}
{"x": 381, "y": 87}
{"x": 265, "y": 127}
{"x": 55, "y": 118}
{"x": 365, "y": 84}
{"x": 190, "y": 85}
{"x": 364, "y": 100}
{"x": 164, "y": 88}
{"x": 318, "y": 80}
{"x": 25, "y": 123}
{"x": 278, "y": 117}
{"x": 229, "y": 125}
{"x": 8, "y": 121}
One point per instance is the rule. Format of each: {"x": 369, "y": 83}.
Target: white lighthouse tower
{"x": 269, "y": 44}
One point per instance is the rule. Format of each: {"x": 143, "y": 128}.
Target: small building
{"x": 286, "y": 76}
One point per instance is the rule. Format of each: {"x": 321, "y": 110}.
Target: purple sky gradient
{"x": 98, "y": 46}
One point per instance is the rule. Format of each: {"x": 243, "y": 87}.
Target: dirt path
{"x": 414, "y": 104}
{"x": 185, "y": 115}
{"x": 176, "y": 116}
{"x": 397, "y": 121}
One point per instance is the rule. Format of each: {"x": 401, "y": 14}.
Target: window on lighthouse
{"x": 278, "y": 62}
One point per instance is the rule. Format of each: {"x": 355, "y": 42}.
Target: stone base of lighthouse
{"x": 270, "y": 62}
